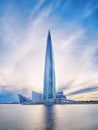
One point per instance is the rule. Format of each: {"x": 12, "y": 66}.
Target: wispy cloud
{"x": 23, "y": 33}
{"x": 85, "y": 90}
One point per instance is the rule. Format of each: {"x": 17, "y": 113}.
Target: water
{"x": 40, "y": 117}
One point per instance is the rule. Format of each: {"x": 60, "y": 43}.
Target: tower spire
{"x": 49, "y": 35}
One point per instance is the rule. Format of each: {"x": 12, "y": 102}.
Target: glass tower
{"x": 49, "y": 72}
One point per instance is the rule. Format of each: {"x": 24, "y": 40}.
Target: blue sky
{"x": 24, "y": 25}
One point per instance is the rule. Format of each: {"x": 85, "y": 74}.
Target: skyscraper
{"x": 49, "y": 72}
{"x": 49, "y": 95}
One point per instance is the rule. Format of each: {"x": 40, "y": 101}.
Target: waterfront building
{"x": 60, "y": 95}
{"x": 37, "y": 97}
{"x": 24, "y": 99}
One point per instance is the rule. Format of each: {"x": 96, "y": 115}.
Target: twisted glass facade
{"x": 49, "y": 72}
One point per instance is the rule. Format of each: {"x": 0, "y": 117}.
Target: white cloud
{"x": 23, "y": 51}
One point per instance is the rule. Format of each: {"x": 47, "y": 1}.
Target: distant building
{"x": 24, "y": 99}
{"x": 49, "y": 73}
{"x": 60, "y": 95}
{"x": 37, "y": 97}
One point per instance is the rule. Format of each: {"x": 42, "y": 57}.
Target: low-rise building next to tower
{"x": 24, "y": 99}
{"x": 37, "y": 97}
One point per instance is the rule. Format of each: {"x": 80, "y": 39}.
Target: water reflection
{"x": 56, "y": 117}
{"x": 49, "y": 118}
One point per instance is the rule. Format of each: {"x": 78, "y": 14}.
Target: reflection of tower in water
{"x": 49, "y": 118}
